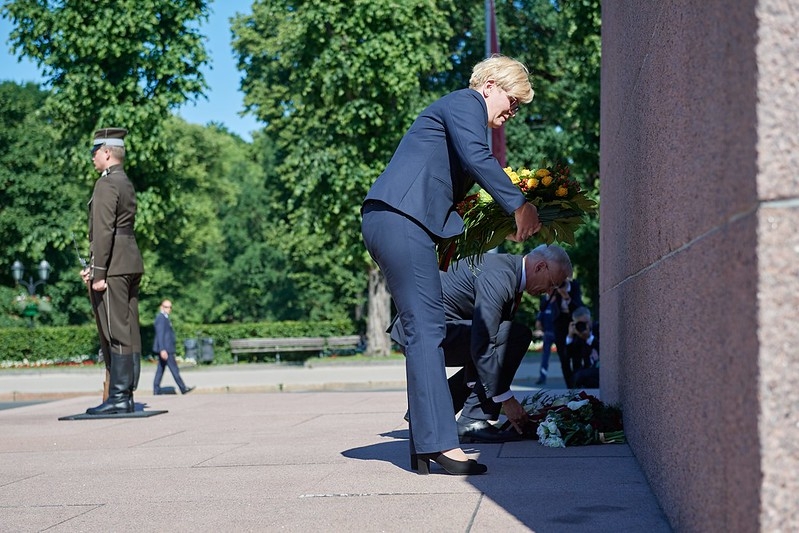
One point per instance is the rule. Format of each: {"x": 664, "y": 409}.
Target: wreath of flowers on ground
{"x": 572, "y": 419}
{"x": 561, "y": 203}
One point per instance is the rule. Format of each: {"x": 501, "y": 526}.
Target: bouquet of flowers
{"x": 573, "y": 419}
{"x": 562, "y": 207}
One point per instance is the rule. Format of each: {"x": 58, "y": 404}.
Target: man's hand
{"x": 85, "y": 273}
{"x": 99, "y": 285}
{"x": 516, "y": 414}
{"x": 563, "y": 290}
{"x": 527, "y": 223}
{"x": 164, "y": 355}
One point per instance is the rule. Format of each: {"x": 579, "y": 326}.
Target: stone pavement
{"x": 329, "y": 453}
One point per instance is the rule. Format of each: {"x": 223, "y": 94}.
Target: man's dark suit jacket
{"x": 164, "y": 335}
{"x": 481, "y": 298}
{"x": 579, "y": 351}
{"x": 438, "y": 160}
{"x": 576, "y": 300}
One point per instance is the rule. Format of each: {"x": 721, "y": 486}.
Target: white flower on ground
{"x": 549, "y": 434}
{"x": 575, "y": 405}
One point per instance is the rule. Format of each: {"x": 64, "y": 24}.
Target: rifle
{"x": 81, "y": 260}
{"x": 104, "y": 349}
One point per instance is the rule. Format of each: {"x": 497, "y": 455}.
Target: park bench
{"x": 321, "y": 345}
{"x": 342, "y": 343}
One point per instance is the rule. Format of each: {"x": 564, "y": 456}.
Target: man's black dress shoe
{"x": 481, "y": 431}
{"x": 188, "y": 390}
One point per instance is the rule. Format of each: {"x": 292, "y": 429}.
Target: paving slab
{"x": 318, "y": 460}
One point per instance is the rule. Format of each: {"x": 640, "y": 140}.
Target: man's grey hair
{"x": 581, "y": 312}
{"x": 552, "y": 253}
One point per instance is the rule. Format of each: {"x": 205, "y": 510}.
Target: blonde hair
{"x": 511, "y": 75}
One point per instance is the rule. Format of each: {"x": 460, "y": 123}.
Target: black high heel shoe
{"x": 421, "y": 463}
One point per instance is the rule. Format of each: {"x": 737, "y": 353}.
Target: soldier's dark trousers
{"x": 117, "y": 312}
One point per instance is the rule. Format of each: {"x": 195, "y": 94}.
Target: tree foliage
{"x": 183, "y": 219}
{"x": 38, "y": 207}
{"x": 268, "y": 230}
{"x": 108, "y": 63}
{"x": 336, "y": 84}
{"x": 123, "y": 63}
{"x": 559, "y": 41}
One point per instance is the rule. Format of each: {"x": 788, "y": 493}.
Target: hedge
{"x": 76, "y": 343}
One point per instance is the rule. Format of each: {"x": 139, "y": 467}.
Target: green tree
{"x": 123, "y": 63}
{"x": 560, "y": 43}
{"x": 38, "y": 206}
{"x": 336, "y": 84}
{"x": 182, "y": 213}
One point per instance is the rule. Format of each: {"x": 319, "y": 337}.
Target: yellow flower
{"x": 514, "y": 177}
{"x": 532, "y": 183}
{"x": 525, "y": 172}
{"x": 546, "y": 181}
{"x": 541, "y": 172}
{"x": 562, "y": 191}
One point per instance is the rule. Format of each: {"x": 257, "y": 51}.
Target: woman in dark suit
{"x": 411, "y": 206}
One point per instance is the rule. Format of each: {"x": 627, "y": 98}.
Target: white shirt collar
{"x": 523, "y": 284}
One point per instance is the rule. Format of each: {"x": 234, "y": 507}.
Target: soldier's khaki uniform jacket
{"x": 112, "y": 214}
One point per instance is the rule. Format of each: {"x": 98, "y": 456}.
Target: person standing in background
{"x": 164, "y": 348}
{"x": 545, "y": 323}
{"x": 114, "y": 272}
{"x": 564, "y": 300}
{"x": 582, "y": 347}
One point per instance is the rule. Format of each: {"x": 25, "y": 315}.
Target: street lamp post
{"x": 18, "y": 270}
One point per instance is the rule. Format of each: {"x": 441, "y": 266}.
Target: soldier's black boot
{"x": 136, "y": 374}
{"x": 120, "y": 398}
{"x": 136, "y": 371}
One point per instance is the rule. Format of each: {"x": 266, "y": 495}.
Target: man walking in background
{"x": 164, "y": 347}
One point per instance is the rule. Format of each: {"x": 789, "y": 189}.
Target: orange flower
{"x": 562, "y": 191}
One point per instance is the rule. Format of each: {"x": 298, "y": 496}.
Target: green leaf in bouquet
{"x": 563, "y": 232}
{"x": 583, "y": 203}
{"x": 562, "y": 208}
{"x": 545, "y": 235}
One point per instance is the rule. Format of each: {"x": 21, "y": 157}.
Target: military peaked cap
{"x": 110, "y": 136}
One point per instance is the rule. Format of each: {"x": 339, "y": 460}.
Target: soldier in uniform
{"x": 114, "y": 272}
